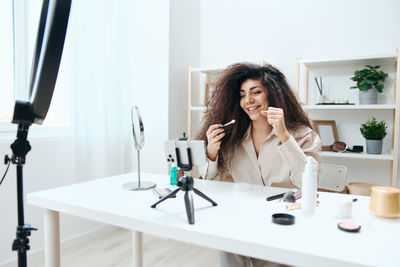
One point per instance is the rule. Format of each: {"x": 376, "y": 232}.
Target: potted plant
{"x": 370, "y": 81}
{"x": 374, "y": 132}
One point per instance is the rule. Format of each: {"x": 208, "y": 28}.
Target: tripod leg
{"x": 189, "y": 206}
{"x": 172, "y": 194}
{"x": 204, "y": 196}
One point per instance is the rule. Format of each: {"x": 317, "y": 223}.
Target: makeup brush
{"x": 227, "y": 124}
{"x": 291, "y": 196}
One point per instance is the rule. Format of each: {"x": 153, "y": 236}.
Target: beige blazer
{"x": 279, "y": 165}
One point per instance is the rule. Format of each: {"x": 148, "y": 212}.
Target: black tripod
{"x": 185, "y": 183}
{"x": 20, "y": 148}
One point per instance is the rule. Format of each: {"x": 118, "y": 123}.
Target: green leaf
{"x": 379, "y": 88}
{"x": 363, "y": 87}
{"x": 371, "y": 81}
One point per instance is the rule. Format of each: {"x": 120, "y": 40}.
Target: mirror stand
{"x": 138, "y": 137}
{"x": 139, "y": 185}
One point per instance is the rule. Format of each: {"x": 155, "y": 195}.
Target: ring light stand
{"x": 20, "y": 148}
{"x": 138, "y": 137}
{"x": 50, "y": 39}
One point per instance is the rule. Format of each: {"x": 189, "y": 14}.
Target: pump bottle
{"x": 309, "y": 188}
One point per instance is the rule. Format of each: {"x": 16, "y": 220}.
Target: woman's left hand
{"x": 276, "y": 119}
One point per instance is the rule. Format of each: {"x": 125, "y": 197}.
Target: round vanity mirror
{"x": 138, "y": 138}
{"x": 137, "y": 128}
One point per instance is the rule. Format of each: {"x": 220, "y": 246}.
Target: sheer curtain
{"x": 100, "y": 80}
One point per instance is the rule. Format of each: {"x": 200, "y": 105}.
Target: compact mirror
{"x": 138, "y": 138}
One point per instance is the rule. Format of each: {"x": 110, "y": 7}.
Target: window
{"x": 6, "y": 62}
{"x": 18, "y": 24}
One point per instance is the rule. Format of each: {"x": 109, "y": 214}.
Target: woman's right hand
{"x": 214, "y": 136}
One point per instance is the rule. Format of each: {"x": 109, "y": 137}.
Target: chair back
{"x": 333, "y": 177}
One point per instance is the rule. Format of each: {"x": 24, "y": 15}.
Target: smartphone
{"x": 162, "y": 192}
{"x": 197, "y": 148}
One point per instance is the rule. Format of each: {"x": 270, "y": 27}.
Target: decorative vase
{"x": 321, "y": 99}
{"x": 374, "y": 146}
{"x": 368, "y": 97}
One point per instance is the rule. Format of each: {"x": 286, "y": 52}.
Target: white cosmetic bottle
{"x": 309, "y": 188}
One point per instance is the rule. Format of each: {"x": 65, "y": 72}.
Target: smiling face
{"x": 253, "y": 99}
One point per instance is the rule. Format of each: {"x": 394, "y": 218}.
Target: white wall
{"x": 150, "y": 78}
{"x": 278, "y": 31}
{"x": 184, "y": 51}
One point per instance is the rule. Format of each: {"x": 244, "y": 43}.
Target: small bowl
{"x": 342, "y": 209}
{"x": 385, "y": 202}
{"x": 360, "y": 188}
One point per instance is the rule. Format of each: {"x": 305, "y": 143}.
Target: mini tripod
{"x": 185, "y": 183}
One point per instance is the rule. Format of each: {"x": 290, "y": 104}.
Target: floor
{"x": 114, "y": 249}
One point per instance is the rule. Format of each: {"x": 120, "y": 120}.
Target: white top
{"x": 241, "y": 223}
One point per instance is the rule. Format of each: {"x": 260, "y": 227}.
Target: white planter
{"x": 374, "y": 146}
{"x": 368, "y": 97}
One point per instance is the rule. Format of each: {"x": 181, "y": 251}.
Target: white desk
{"x": 241, "y": 223}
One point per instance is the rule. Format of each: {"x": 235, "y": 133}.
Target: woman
{"x": 268, "y": 143}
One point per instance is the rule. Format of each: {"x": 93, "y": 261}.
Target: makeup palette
{"x": 349, "y": 227}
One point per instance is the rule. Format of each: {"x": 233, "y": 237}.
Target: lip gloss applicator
{"x": 227, "y": 124}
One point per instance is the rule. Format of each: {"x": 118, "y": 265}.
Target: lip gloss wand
{"x": 227, "y": 124}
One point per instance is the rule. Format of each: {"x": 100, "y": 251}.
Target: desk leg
{"x": 137, "y": 249}
{"x": 51, "y": 238}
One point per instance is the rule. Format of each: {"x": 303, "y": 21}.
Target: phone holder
{"x": 186, "y": 184}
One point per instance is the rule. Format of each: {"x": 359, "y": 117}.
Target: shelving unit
{"x": 339, "y": 71}
{"x": 198, "y": 78}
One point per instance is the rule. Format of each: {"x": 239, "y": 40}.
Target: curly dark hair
{"x": 224, "y": 105}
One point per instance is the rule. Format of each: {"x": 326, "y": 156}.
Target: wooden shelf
{"x": 212, "y": 70}
{"x": 198, "y": 108}
{"x": 321, "y": 62}
{"x": 347, "y": 107}
{"x": 356, "y": 155}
